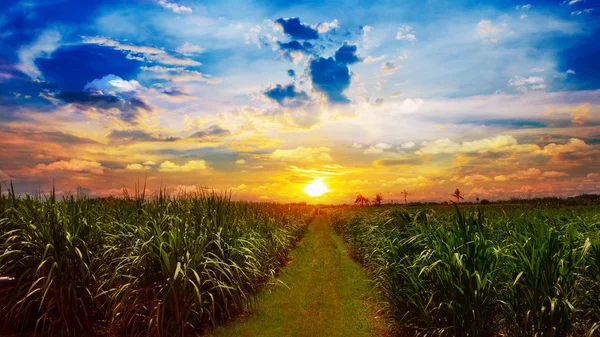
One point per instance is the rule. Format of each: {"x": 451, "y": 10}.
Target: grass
{"x": 323, "y": 292}
{"x": 140, "y": 266}
{"x": 466, "y": 274}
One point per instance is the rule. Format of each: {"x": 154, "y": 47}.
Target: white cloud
{"x": 73, "y": 165}
{"x": 324, "y": 27}
{"x": 44, "y": 46}
{"x": 189, "y": 49}
{"x": 406, "y": 32}
{"x": 523, "y": 16}
{"x": 192, "y": 165}
{"x": 357, "y": 146}
{"x": 554, "y": 174}
{"x": 240, "y": 162}
{"x": 370, "y": 59}
{"x": 488, "y": 31}
{"x": 113, "y": 84}
{"x": 142, "y": 53}
{"x": 388, "y": 68}
{"x": 407, "y": 106}
{"x": 174, "y": 7}
{"x": 136, "y": 167}
{"x": 585, "y": 11}
{"x": 537, "y": 70}
{"x": 408, "y": 145}
{"x": 149, "y": 163}
{"x": 377, "y": 148}
{"x": 302, "y": 154}
{"x": 571, "y": 2}
{"x": 528, "y": 6}
{"x": 526, "y": 83}
{"x": 492, "y": 144}
{"x": 571, "y": 72}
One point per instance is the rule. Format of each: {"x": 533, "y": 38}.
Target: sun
{"x": 316, "y": 188}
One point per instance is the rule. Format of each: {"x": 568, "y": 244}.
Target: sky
{"x": 260, "y": 98}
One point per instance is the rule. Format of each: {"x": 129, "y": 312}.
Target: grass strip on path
{"x": 327, "y": 294}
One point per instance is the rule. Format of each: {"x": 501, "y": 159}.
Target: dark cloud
{"x": 297, "y": 30}
{"x": 72, "y": 67}
{"x": 129, "y": 107}
{"x": 390, "y": 162}
{"x": 210, "y": 133}
{"x": 287, "y": 48}
{"x": 348, "y": 53}
{"x": 137, "y": 136}
{"x": 286, "y": 94}
{"x": 175, "y": 92}
{"x": 291, "y": 72}
{"x": 379, "y": 101}
{"x": 331, "y": 78}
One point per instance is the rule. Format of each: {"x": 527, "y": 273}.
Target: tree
{"x": 457, "y": 195}
{"x": 377, "y": 200}
{"x": 361, "y": 199}
{"x": 405, "y": 193}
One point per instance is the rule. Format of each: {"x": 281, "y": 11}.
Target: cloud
{"x": 111, "y": 84}
{"x": 296, "y": 29}
{"x": 396, "y": 94}
{"x": 143, "y": 53}
{"x": 240, "y": 162}
{"x": 182, "y": 75}
{"x": 286, "y": 95}
{"x": 398, "y": 162}
{"x": 493, "y": 144}
{"x": 406, "y": 32}
{"x": 189, "y": 49}
{"x": 330, "y": 78}
{"x": 571, "y": 2}
{"x": 136, "y": 136}
{"x": 44, "y": 46}
{"x": 585, "y": 11}
{"x": 527, "y": 6}
{"x": 377, "y": 148}
{"x": 192, "y": 165}
{"x": 4, "y": 177}
{"x": 418, "y": 181}
{"x": 211, "y": 133}
{"x": 554, "y": 174}
{"x": 488, "y": 31}
{"x": 570, "y": 72}
{"x": 388, "y": 68}
{"x": 370, "y": 59}
{"x": 127, "y": 109}
{"x": 294, "y": 51}
{"x": 408, "y": 145}
{"x": 407, "y": 106}
{"x": 136, "y": 167}
{"x": 347, "y": 54}
{"x": 324, "y": 27}
{"x": 527, "y": 83}
{"x": 73, "y": 165}
{"x": 302, "y": 154}
{"x": 174, "y": 7}
{"x": 357, "y": 146}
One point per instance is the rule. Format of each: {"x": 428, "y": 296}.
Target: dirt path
{"x": 328, "y": 294}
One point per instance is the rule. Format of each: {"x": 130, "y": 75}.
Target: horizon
{"x": 302, "y": 103}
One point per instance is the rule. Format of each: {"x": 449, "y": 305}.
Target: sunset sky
{"x": 260, "y": 98}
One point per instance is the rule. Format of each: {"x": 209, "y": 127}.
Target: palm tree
{"x": 405, "y": 193}
{"x": 377, "y": 200}
{"x": 361, "y": 199}
{"x": 457, "y": 195}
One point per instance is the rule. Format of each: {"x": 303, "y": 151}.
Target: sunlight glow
{"x": 316, "y": 188}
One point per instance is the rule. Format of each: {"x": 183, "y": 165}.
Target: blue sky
{"x": 272, "y": 94}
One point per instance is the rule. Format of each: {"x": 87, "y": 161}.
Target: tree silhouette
{"x": 457, "y": 195}
{"x": 377, "y": 200}
{"x": 405, "y": 193}
{"x": 361, "y": 199}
